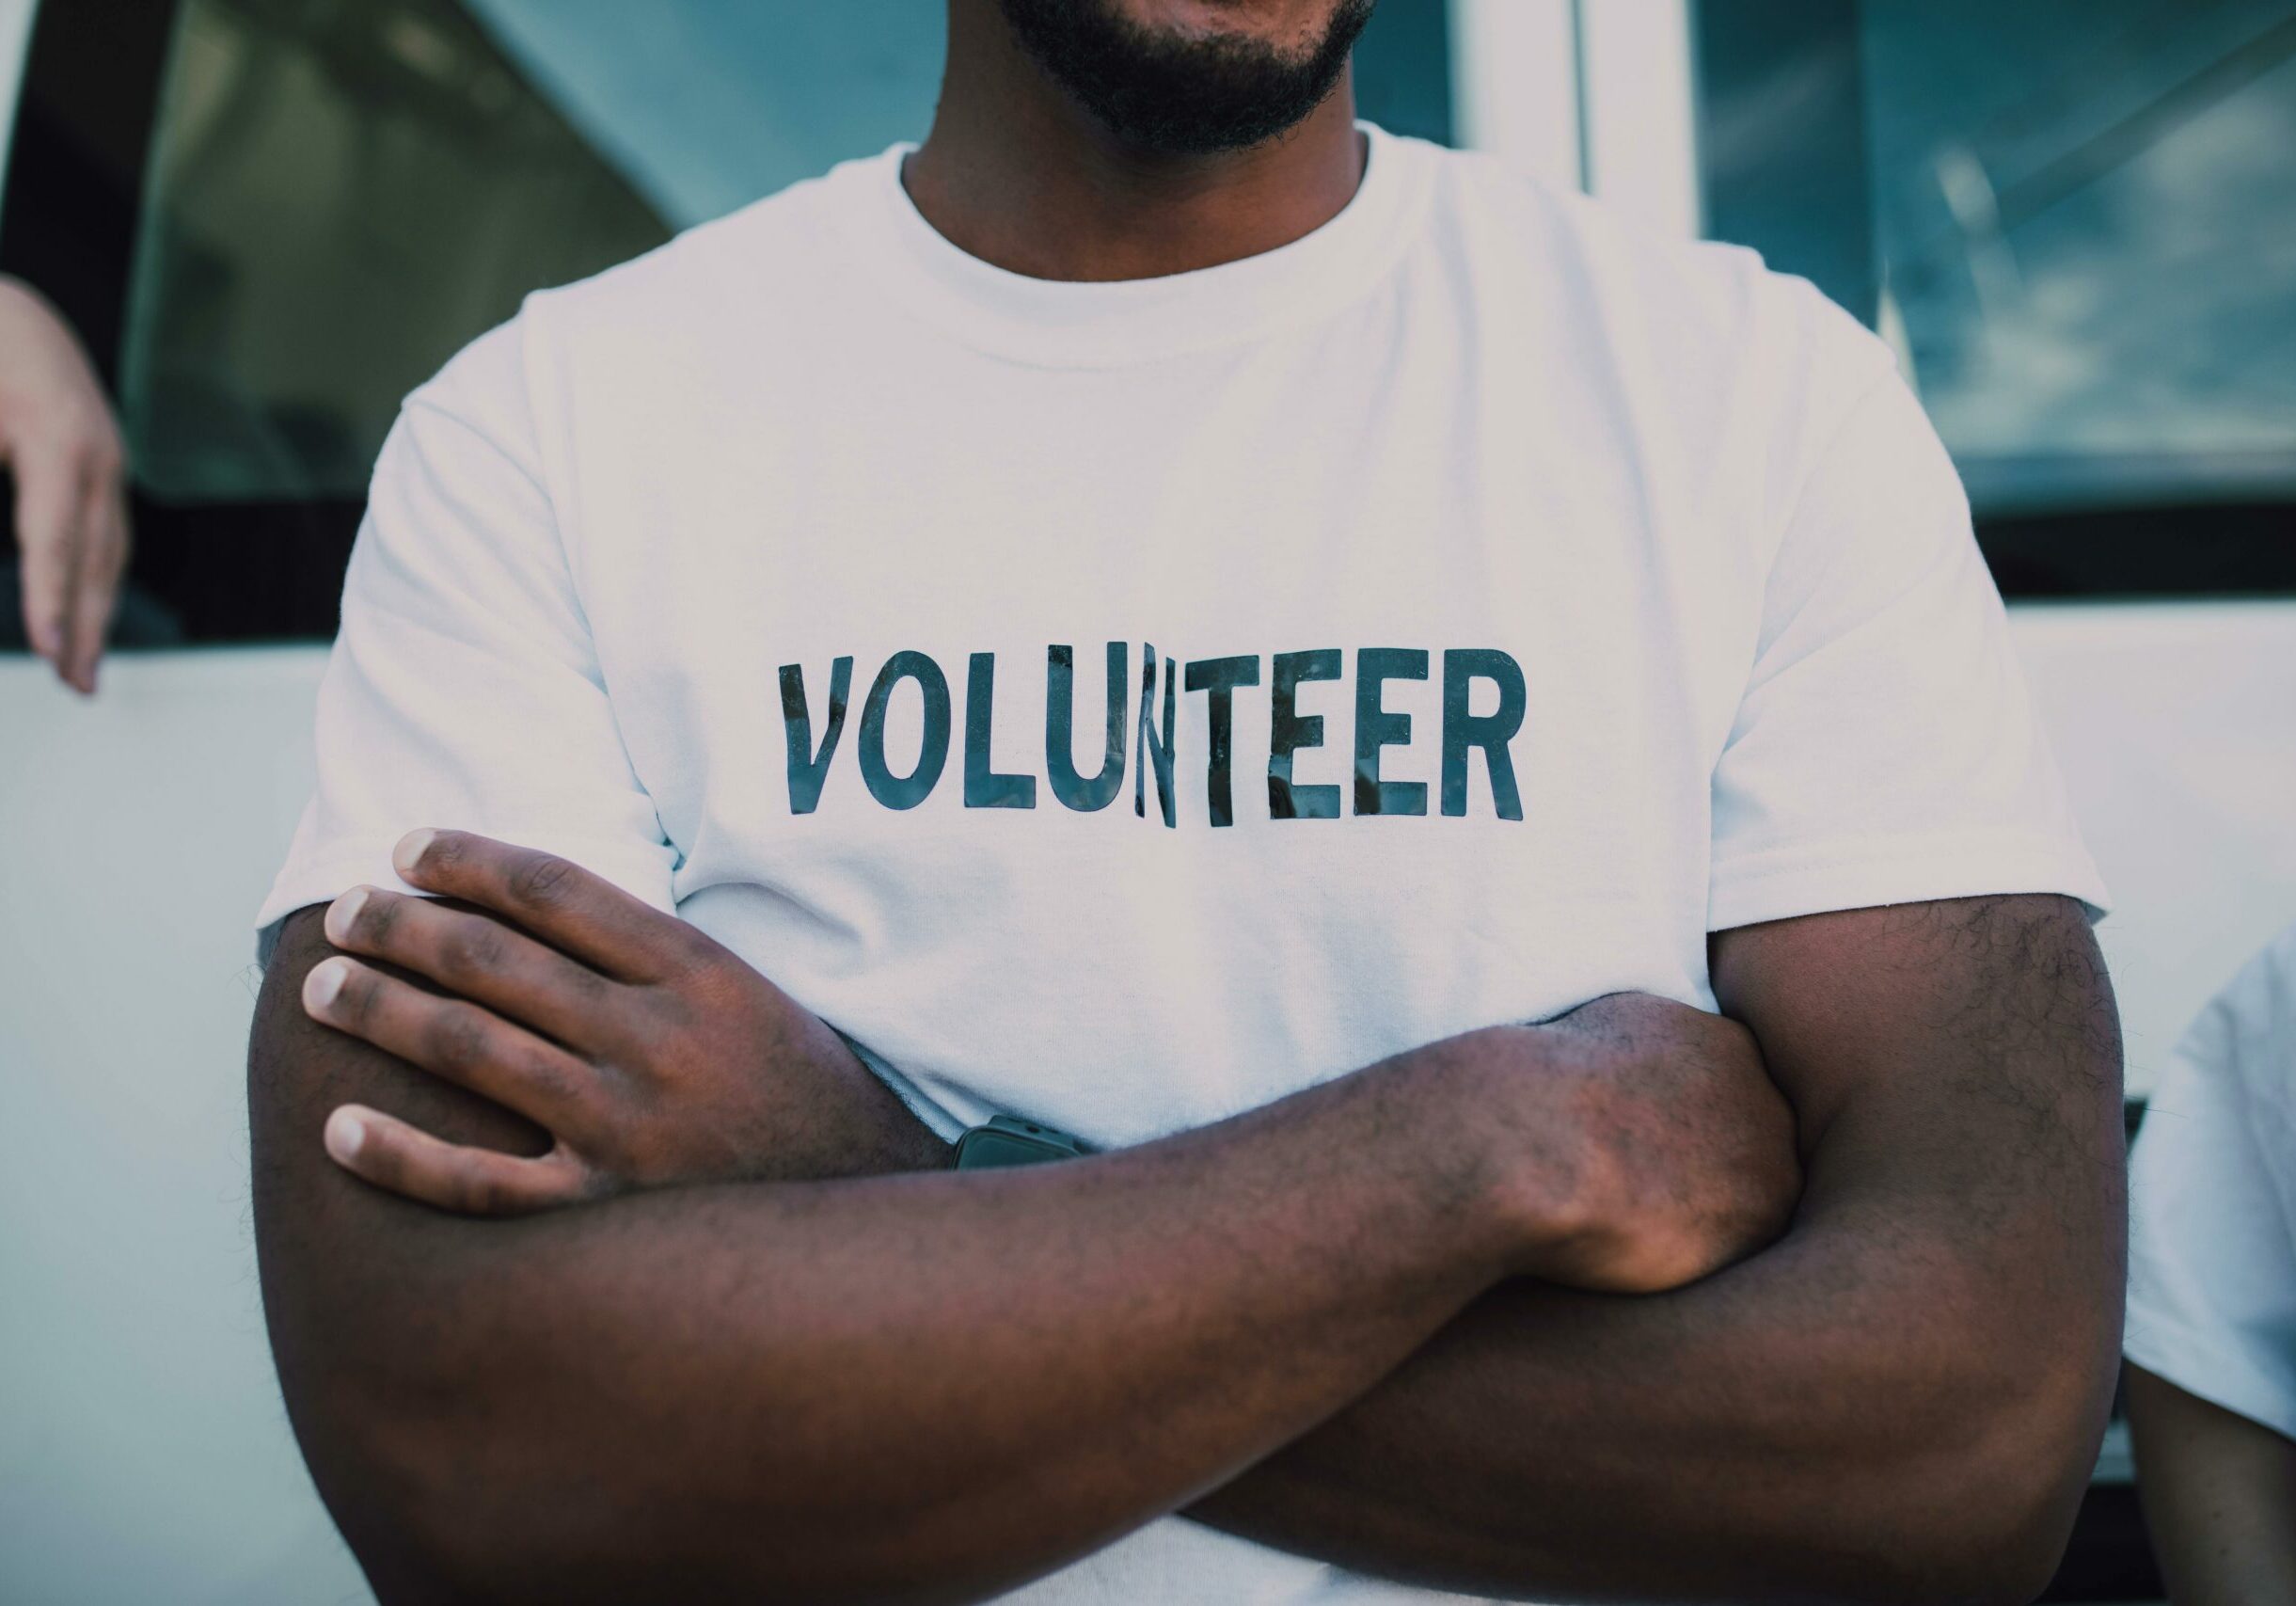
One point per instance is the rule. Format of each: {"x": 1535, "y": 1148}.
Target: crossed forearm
{"x": 1114, "y": 1338}
{"x": 1805, "y": 1425}
{"x": 1900, "y": 1399}
{"x": 925, "y": 1387}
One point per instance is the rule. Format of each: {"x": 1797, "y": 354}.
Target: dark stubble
{"x": 1176, "y": 93}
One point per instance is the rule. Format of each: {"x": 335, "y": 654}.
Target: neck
{"x": 1017, "y": 174}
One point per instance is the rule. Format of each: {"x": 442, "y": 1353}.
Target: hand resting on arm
{"x": 1899, "y": 1400}
{"x": 913, "y": 1387}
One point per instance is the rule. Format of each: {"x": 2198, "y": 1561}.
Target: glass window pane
{"x": 2076, "y": 219}
{"x": 340, "y": 196}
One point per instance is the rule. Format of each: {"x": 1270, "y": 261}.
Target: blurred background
{"x": 2075, "y": 220}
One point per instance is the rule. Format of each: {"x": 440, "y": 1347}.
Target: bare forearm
{"x": 1914, "y": 1377}
{"x": 1747, "y": 1438}
{"x": 2220, "y": 1496}
{"x": 924, "y": 1386}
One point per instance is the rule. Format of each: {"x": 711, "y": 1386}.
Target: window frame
{"x": 2202, "y": 548}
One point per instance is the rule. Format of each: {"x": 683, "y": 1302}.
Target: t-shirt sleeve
{"x": 1885, "y": 749}
{"x": 2211, "y": 1263}
{"x": 463, "y": 690}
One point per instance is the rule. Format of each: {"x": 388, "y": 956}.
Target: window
{"x": 2076, "y": 220}
{"x": 271, "y": 219}
{"x": 338, "y": 196}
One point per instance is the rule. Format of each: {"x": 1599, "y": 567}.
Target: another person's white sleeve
{"x": 1886, "y": 749}
{"x": 2213, "y": 1203}
{"x": 463, "y": 690}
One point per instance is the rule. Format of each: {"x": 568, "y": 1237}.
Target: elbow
{"x": 404, "y": 1497}
{"x": 453, "y": 1509}
{"x": 1999, "y": 1409}
{"x": 2005, "y": 1559}
{"x": 2019, "y": 1518}
{"x": 470, "y": 1502}
{"x": 1982, "y": 1513}
{"x": 1978, "y": 1544}
{"x": 1998, "y": 1543}
{"x": 436, "y": 1517}
{"x": 422, "y": 1456}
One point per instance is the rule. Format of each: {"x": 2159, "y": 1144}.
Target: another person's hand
{"x": 58, "y": 439}
{"x": 1651, "y": 1147}
{"x": 651, "y": 1053}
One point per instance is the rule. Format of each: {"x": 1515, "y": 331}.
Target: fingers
{"x": 101, "y": 559}
{"x": 457, "y": 1040}
{"x": 576, "y": 912}
{"x": 478, "y": 959}
{"x": 48, "y": 519}
{"x": 385, "y": 1150}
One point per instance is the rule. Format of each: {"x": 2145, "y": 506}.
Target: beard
{"x": 1181, "y": 94}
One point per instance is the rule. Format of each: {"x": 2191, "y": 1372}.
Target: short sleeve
{"x": 2212, "y": 1182}
{"x": 463, "y": 690}
{"x": 1885, "y": 749}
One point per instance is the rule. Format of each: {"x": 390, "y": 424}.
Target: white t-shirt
{"x": 1543, "y": 595}
{"x": 2212, "y": 1202}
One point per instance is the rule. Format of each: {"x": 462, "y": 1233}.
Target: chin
{"x": 1282, "y": 23}
{"x": 1191, "y": 77}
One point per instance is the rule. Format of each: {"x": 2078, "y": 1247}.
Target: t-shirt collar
{"x": 1065, "y": 324}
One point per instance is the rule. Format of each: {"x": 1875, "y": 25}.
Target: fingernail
{"x": 344, "y": 1134}
{"x": 325, "y": 980}
{"x": 341, "y": 912}
{"x": 410, "y": 848}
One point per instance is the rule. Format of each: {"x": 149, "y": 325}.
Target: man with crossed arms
{"x": 1629, "y": 1109}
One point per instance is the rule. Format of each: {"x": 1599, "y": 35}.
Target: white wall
{"x": 144, "y": 1455}
{"x": 2175, "y": 726}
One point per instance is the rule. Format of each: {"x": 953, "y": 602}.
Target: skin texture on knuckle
{"x": 471, "y": 947}
{"x": 482, "y": 1193}
{"x": 1685, "y": 1157}
{"x": 700, "y": 954}
{"x": 378, "y": 920}
{"x": 356, "y": 1004}
{"x": 458, "y": 1040}
{"x": 585, "y": 984}
{"x": 541, "y": 881}
{"x": 556, "y": 1085}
